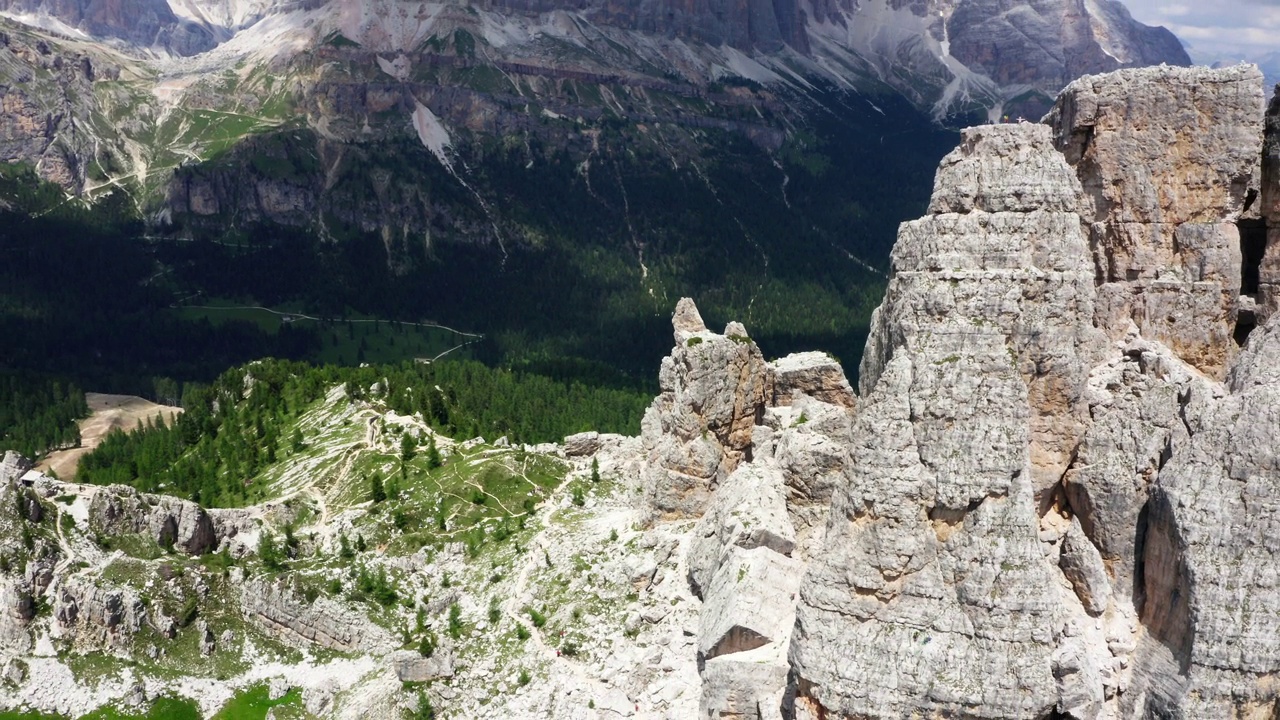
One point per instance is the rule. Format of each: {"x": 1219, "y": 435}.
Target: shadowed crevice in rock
{"x": 737, "y": 639}
{"x": 1166, "y": 600}
{"x": 1253, "y": 245}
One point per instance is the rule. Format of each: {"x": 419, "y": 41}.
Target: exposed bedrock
{"x": 1061, "y": 480}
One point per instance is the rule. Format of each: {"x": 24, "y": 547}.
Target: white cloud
{"x": 1216, "y": 26}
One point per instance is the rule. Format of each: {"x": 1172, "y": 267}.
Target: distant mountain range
{"x": 757, "y": 155}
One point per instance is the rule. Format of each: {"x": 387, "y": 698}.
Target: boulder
{"x": 812, "y": 450}
{"x": 582, "y": 444}
{"x": 412, "y": 667}
{"x": 13, "y": 466}
{"x": 816, "y": 374}
{"x": 744, "y": 686}
{"x": 747, "y": 511}
{"x": 749, "y": 603}
{"x": 1082, "y": 565}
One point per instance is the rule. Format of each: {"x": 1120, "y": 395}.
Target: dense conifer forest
{"x": 246, "y": 420}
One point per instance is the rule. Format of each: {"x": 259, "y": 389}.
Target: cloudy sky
{"x": 1216, "y": 27}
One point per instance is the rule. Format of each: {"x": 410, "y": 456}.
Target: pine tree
{"x": 268, "y": 552}
{"x": 376, "y": 492}
{"x": 433, "y": 455}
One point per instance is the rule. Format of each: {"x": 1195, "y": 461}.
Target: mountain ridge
{"x": 1041, "y": 474}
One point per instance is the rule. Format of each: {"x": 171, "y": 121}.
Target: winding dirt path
{"x": 106, "y": 413}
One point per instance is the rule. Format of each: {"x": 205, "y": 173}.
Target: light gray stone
{"x": 815, "y": 374}
{"x": 1082, "y": 565}
{"x": 1168, "y": 158}
{"x": 750, "y": 602}
{"x": 697, "y": 431}
{"x": 413, "y": 667}
{"x": 581, "y": 444}
{"x": 168, "y": 521}
{"x": 747, "y": 511}
{"x": 13, "y": 466}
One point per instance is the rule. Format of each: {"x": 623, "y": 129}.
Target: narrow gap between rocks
{"x": 1253, "y": 244}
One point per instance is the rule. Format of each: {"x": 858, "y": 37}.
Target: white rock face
{"x": 1052, "y": 504}
{"x": 168, "y": 521}
{"x": 324, "y": 623}
{"x": 1167, "y": 158}
{"x": 814, "y": 374}
{"x": 714, "y": 389}
{"x": 747, "y": 511}
{"x": 1212, "y": 549}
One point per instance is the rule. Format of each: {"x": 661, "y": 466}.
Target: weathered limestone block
{"x": 815, "y": 374}
{"x": 412, "y": 667}
{"x": 1020, "y": 279}
{"x": 750, "y": 602}
{"x": 1134, "y": 401}
{"x": 1081, "y": 563}
{"x": 17, "y": 610}
{"x": 582, "y": 444}
{"x": 110, "y": 615}
{"x": 744, "y": 686}
{"x": 186, "y": 526}
{"x": 1168, "y": 159}
{"x": 747, "y": 511}
{"x": 1212, "y": 546}
{"x": 714, "y": 390}
{"x": 811, "y": 448}
{"x": 1081, "y": 692}
{"x": 13, "y": 466}
{"x": 324, "y": 622}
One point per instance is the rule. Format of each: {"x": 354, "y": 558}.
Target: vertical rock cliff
{"x": 1055, "y": 504}
{"x": 1056, "y": 494}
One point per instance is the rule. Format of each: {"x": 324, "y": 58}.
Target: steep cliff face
{"x": 143, "y": 23}
{"x": 43, "y": 120}
{"x": 1052, "y": 492}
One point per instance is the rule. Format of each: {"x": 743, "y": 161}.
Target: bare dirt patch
{"x": 106, "y": 413}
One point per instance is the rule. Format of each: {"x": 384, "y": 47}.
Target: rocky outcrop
{"x": 1052, "y": 503}
{"x": 1211, "y": 554}
{"x": 932, "y": 551}
{"x": 324, "y": 623}
{"x": 168, "y": 521}
{"x": 766, "y": 448}
{"x": 747, "y": 511}
{"x": 107, "y": 615}
{"x": 1169, "y": 158}
{"x": 17, "y": 609}
{"x": 12, "y": 467}
{"x": 413, "y": 667}
{"x": 697, "y": 431}
{"x": 814, "y": 374}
